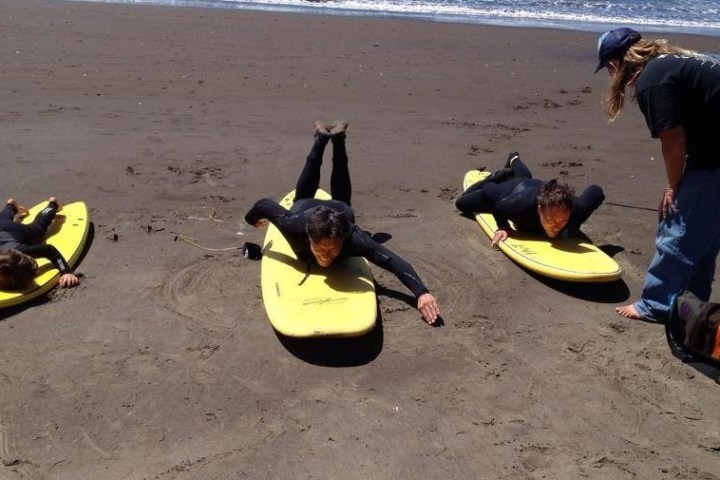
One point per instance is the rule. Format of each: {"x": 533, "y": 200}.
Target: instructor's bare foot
{"x": 629, "y": 311}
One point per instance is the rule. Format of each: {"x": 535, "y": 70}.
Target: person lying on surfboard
{"x": 534, "y": 206}
{"x": 325, "y": 230}
{"x": 21, "y": 244}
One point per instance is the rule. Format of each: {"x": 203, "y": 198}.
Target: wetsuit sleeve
{"x": 269, "y": 209}
{"x": 363, "y": 245}
{"x": 47, "y": 251}
{"x": 502, "y": 221}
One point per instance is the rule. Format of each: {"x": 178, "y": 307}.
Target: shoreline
{"x": 595, "y": 26}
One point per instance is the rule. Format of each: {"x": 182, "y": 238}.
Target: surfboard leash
{"x": 214, "y": 221}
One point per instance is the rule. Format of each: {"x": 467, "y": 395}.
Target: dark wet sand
{"x": 171, "y": 122}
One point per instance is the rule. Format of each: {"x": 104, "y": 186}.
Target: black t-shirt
{"x": 675, "y": 90}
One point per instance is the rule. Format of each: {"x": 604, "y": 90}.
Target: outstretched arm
{"x": 265, "y": 210}
{"x": 44, "y": 250}
{"x": 363, "y": 245}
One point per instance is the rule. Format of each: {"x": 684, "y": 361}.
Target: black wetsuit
{"x": 292, "y": 223}
{"x": 510, "y": 195}
{"x": 28, "y": 239}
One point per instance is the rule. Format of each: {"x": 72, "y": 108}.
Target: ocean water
{"x": 685, "y": 16}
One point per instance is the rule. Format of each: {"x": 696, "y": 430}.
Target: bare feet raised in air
{"x": 629, "y": 311}
{"x": 322, "y": 129}
{"x": 22, "y": 211}
{"x": 338, "y": 128}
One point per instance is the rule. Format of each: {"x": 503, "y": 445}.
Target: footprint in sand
{"x": 8, "y": 447}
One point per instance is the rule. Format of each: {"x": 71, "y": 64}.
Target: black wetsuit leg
{"x": 26, "y": 234}
{"x": 340, "y": 185}
{"x": 483, "y": 199}
{"x": 473, "y": 200}
{"x": 309, "y": 179}
{"x": 7, "y": 214}
{"x": 38, "y": 227}
{"x": 519, "y": 169}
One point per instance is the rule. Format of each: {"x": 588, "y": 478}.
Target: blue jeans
{"x": 687, "y": 243}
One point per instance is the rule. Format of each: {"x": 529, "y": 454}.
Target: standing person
{"x": 678, "y": 92}
{"x": 21, "y": 244}
{"x": 325, "y": 230}
{"x": 535, "y": 206}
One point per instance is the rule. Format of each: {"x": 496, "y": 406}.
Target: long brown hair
{"x": 17, "y": 270}
{"x": 630, "y": 66}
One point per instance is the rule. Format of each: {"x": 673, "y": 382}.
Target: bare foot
{"x": 339, "y": 127}
{"x": 322, "y": 129}
{"x": 21, "y": 211}
{"x": 57, "y": 202}
{"x": 629, "y": 311}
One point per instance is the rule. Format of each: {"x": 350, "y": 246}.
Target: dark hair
{"x": 17, "y": 270}
{"x": 553, "y": 194}
{"x": 324, "y": 222}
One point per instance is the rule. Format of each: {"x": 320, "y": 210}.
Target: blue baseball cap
{"x": 614, "y": 44}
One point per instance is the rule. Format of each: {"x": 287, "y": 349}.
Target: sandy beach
{"x": 170, "y": 123}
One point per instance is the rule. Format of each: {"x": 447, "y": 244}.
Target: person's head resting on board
{"x": 327, "y": 230}
{"x": 554, "y": 207}
{"x": 624, "y": 53}
{"x": 17, "y": 270}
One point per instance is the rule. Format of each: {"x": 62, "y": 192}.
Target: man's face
{"x": 325, "y": 250}
{"x": 553, "y": 219}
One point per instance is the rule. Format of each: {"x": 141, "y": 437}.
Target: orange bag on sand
{"x": 716, "y": 350}
{"x": 692, "y": 328}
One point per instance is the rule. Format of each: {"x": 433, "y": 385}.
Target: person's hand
{"x": 428, "y": 308}
{"x": 261, "y": 223}
{"x": 69, "y": 280}
{"x": 500, "y": 236}
{"x": 667, "y": 204}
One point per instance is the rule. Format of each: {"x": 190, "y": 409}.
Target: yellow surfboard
{"x": 338, "y": 301}
{"x": 569, "y": 259}
{"x": 68, "y": 233}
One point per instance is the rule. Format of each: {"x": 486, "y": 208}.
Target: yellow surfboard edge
{"x": 68, "y": 233}
{"x": 338, "y": 301}
{"x": 569, "y": 259}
